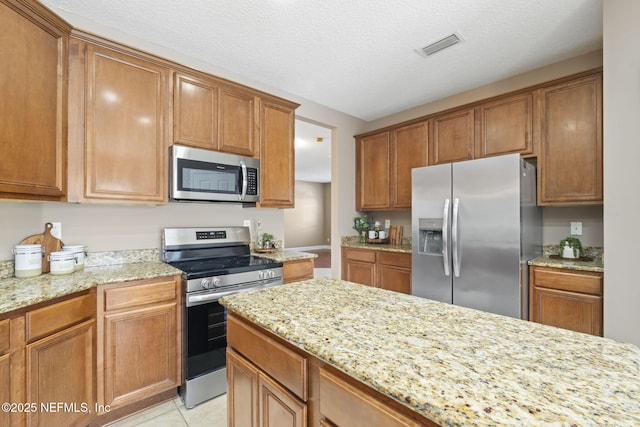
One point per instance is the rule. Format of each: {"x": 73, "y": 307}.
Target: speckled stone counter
{"x": 354, "y": 242}
{"x": 284, "y": 255}
{"x": 18, "y": 293}
{"x": 550, "y": 261}
{"x": 455, "y": 366}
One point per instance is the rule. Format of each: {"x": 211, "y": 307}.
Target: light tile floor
{"x": 212, "y": 413}
{"x": 321, "y": 272}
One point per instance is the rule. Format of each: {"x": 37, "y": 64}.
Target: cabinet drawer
{"x": 394, "y": 258}
{"x": 55, "y": 317}
{"x": 363, "y": 255}
{"x": 4, "y": 336}
{"x": 345, "y": 405}
{"x": 284, "y": 365}
{"x": 568, "y": 280}
{"x": 139, "y": 293}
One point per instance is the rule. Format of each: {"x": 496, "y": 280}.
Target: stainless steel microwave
{"x": 212, "y": 176}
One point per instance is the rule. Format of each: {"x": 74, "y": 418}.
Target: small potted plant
{"x": 570, "y": 247}
{"x": 361, "y": 225}
{"x": 267, "y": 240}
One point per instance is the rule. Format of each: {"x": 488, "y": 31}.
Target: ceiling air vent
{"x": 439, "y": 45}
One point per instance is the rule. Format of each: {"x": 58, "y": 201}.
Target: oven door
{"x": 212, "y": 176}
{"x": 206, "y": 339}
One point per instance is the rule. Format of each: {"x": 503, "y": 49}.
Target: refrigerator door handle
{"x": 455, "y": 238}
{"x": 445, "y": 237}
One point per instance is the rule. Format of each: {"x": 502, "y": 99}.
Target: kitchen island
{"x": 449, "y": 365}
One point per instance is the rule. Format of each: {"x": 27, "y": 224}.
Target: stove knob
{"x": 271, "y": 274}
{"x": 260, "y": 274}
{"x": 206, "y": 283}
{"x": 216, "y": 282}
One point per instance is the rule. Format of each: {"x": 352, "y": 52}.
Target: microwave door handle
{"x": 243, "y": 166}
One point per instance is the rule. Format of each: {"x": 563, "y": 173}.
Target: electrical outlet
{"x": 387, "y": 223}
{"x": 56, "y": 230}
{"x": 576, "y": 228}
{"x": 247, "y": 223}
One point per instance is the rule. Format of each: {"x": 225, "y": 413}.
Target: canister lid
{"x": 61, "y": 255}
{"x": 73, "y": 248}
{"x": 28, "y": 248}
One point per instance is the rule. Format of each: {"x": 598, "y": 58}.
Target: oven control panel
{"x": 209, "y": 235}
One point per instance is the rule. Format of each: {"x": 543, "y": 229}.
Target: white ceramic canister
{"x": 28, "y": 260}
{"x": 62, "y": 262}
{"x": 78, "y": 252}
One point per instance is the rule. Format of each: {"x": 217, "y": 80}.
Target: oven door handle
{"x": 193, "y": 300}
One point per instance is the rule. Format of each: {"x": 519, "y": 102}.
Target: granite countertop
{"x": 455, "y": 366}
{"x": 404, "y": 248}
{"x": 285, "y": 255}
{"x": 18, "y": 293}
{"x": 556, "y": 262}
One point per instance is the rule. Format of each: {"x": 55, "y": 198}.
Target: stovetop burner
{"x": 195, "y": 269}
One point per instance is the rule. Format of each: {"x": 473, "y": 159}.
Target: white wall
{"x": 621, "y": 171}
{"x": 305, "y": 224}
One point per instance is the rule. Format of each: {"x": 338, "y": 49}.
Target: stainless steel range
{"x": 215, "y": 261}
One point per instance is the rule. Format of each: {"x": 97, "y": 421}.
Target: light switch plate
{"x": 576, "y": 228}
{"x": 247, "y": 223}
{"x": 56, "y": 230}
{"x": 387, "y": 223}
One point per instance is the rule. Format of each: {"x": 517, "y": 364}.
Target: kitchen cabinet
{"x": 345, "y": 404}
{"x": 378, "y": 268}
{"x": 33, "y": 86}
{"x": 267, "y": 381}
{"x": 505, "y": 126}
{"x": 570, "y": 162}
{"x": 195, "y": 110}
{"x": 372, "y": 171}
{"x": 237, "y": 121}
{"x": 277, "y": 153}
{"x": 383, "y": 166}
{"x": 409, "y": 149}
{"x": 47, "y": 355}
{"x": 138, "y": 340}
{"x": 298, "y": 269}
{"x": 568, "y": 299}
{"x": 452, "y": 136}
{"x": 117, "y": 124}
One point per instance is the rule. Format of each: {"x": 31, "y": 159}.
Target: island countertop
{"x": 453, "y": 365}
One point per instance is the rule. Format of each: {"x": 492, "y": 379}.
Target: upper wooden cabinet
{"x": 122, "y": 101}
{"x": 195, "y": 108}
{"x": 505, "y": 126}
{"x": 277, "y": 155}
{"x": 570, "y": 163}
{"x": 33, "y": 111}
{"x": 408, "y": 150}
{"x": 372, "y": 172}
{"x": 383, "y": 166}
{"x": 452, "y": 137}
{"x": 237, "y": 122}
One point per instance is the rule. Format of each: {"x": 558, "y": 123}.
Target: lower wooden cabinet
{"x": 568, "y": 299}
{"x": 139, "y": 342}
{"x": 381, "y": 269}
{"x": 5, "y": 369}
{"x": 298, "y": 269}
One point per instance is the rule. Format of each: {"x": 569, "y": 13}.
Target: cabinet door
{"x": 236, "y": 122}
{"x": 372, "y": 172}
{"x": 408, "y": 150}
{"x": 140, "y": 354}
{"x": 277, "y": 155}
{"x": 394, "y": 278}
{"x": 296, "y": 270}
{"x": 570, "y": 163}
{"x": 505, "y": 126}
{"x": 125, "y": 118}
{"x": 33, "y": 86}
{"x": 359, "y": 272}
{"x": 60, "y": 368}
{"x": 452, "y": 137}
{"x": 5, "y": 389}
{"x": 277, "y": 406}
{"x": 195, "y": 105}
{"x": 568, "y": 310}
{"x": 242, "y": 393}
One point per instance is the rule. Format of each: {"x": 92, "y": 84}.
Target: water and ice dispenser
{"x": 430, "y": 236}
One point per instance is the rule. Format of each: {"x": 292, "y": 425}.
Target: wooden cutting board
{"x": 395, "y": 234}
{"x": 49, "y": 243}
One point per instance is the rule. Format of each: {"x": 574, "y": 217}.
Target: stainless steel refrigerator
{"x": 475, "y": 224}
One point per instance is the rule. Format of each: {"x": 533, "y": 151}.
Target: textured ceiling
{"x": 358, "y": 56}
